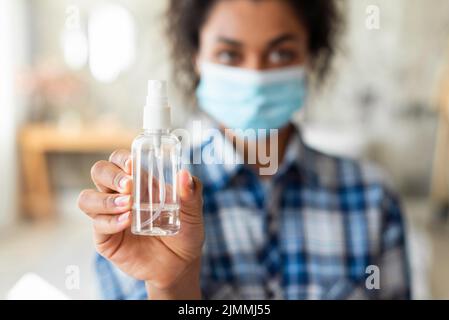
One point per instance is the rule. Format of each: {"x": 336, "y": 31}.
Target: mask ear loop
{"x": 160, "y": 169}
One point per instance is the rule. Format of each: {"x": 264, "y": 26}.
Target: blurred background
{"x": 72, "y": 86}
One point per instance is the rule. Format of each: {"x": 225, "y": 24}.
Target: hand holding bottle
{"x": 169, "y": 265}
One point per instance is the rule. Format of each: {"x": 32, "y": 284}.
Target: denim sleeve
{"x": 116, "y": 285}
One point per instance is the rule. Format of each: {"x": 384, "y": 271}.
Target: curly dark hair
{"x": 185, "y": 19}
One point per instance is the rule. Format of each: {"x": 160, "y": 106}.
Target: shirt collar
{"x": 224, "y": 163}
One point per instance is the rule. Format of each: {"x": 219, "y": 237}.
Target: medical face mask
{"x": 246, "y": 99}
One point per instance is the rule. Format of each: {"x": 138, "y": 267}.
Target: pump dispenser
{"x": 156, "y": 113}
{"x": 156, "y": 158}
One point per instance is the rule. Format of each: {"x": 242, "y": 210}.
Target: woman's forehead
{"x": 252, "y": 21}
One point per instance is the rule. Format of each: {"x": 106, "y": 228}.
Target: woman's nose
{"x": 253, "y": 62}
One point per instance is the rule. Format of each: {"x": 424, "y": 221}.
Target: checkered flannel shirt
{"x": 323, "y": 227}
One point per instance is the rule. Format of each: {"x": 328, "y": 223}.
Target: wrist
{"x": 186, "y": 287}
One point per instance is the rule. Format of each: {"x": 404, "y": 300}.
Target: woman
{"x": 317, "y": 227}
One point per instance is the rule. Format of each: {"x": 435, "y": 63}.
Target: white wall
{"x": 12, "y": 52}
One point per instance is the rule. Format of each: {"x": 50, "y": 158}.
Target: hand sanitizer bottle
{"x": 156, "y": 159}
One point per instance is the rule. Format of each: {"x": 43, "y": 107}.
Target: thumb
{"x": 190, "y": 192}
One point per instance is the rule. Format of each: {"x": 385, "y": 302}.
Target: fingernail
{"x": 123, "y": 182}
{"x": 123, "y": 217}
{"x": 191, "y": 184}
{"x": 122, "y": 201}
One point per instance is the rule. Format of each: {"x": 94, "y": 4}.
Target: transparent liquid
{"x": 156, "y": 163}
{"x": 165, "y": 225}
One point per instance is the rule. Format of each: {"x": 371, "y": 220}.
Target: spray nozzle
{"x": 157, "y": 94}
{"x": 157, "y": 109}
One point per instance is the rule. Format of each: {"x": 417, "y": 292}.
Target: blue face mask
{"x": 245, "y": 99}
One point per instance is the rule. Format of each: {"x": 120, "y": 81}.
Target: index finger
{"x": 122, "y": 159}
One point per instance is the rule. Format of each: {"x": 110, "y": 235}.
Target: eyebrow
{"x": 282, "y": 38}
{"x": 230, "y": 41}
{"x": 273, "y": 43}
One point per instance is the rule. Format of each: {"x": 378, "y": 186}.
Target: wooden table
{"x": 37, "y": 141}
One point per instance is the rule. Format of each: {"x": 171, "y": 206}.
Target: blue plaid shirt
{"x": 323, "y": 227}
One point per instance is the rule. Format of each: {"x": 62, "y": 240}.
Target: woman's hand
{"x": 167, "y": 264}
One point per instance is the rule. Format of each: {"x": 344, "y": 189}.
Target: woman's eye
{"x": 228, "y": 57}
{"x": 281, "y": 56}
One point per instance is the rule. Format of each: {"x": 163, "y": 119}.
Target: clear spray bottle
{"x": 156, "y": 156}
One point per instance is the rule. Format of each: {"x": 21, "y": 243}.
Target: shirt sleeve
{"x": 393, "y": 262}
{"x": 116, "y": 285}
